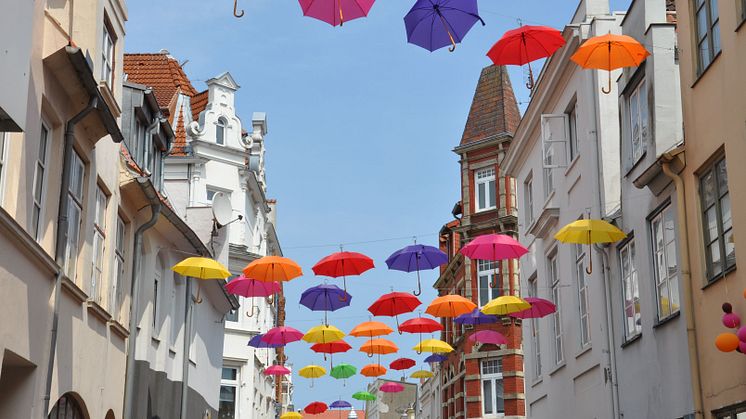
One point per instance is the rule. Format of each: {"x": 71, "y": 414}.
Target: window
{"x": 485, "y": 184}
{"x": 555, "y": 136}
{"x": 228, "y": 393}
{"x": 156, "y": 294}
{"x": 535, "y": 341}
{"x": 107, "y": 57}
{"x": 40, "y": 173}
{"x": 493, "y": 399}
{"x": 99, "y": 240}
{"x": 175, "y": 306}
{"x": 220, "y": 131}
{"x": 118, "y": 278}
{"x": 553, "y": 274}
{"x": 663, "y": 235}
{"x": 582, "y": 281}
{"x": 708, "y": 31}
{"x": 732, "y": 412}
{"x": 572, "y": 122}
{"x": 487, "y": 274}
{"x": 211, "y": 194}
{"x": 66, "y": 408}
{"x": 548, "y": 182}
{"x": 638, "y": 120}
{"x": 630, "y": 291}
{"x": 528, "y": 196}
{"x": 138, "y": 149}
{"x": 74, "y": 214}
{"x": 2, "y": 164}
{"x": 720, "y": 247}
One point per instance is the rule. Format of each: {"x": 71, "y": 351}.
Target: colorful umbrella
{"x": 494, "y": 247}
{"x": 273, "y": 269}
{"x": 450, "y": 306}
{"x": 276, "y": 370}
{"x": 393, "y": 304}
{"x": 434, "y": 358}
{"x": 609, "y": 52}
{"x": 416, "y": 258}
{"x": 379, "y": 346}
{"x": 371, "y": 329}
{"x": 325, "y": 298}
{"x": 525, "y": 44}
{"x": 391, "y": 387}
{"x": 539, "y": 308}
{"x": 343, "y": 264}
{"x": 343, "y": 372}
{"x": 422, "y": 374}
{"x": 282, "y": 335}
{"x": 291, "y": 415}
{"x": 476, "y": 317}
{"x": 402, "y": 364}
{"x": 201, "y": 268}
{"x": 312, "y": 372}
{"x": 420, "y": 325}
{"x": 488, "y": 336}
{"x": 363, "y": 395}
{"x": 434, "y": 24}
{"x": 331, "y": 348}
{"x": 257, "y": 342}
{"x": 323, "y": 334}
{"x": 340, "y": 404}
{"x": 433, "y": 345}
{"x": 247, "y": 287}
{"x": 336, "y": 12}
{"x": 504, "y": 305}
{"x": 373, "y": 370}
{"x": 316, "y": 408}
{"x": 589, "y": 232}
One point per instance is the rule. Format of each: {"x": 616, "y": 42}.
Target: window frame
{"x": 75, "y": 202}
{"x": 108, "y": 45}
{"x": 528, "y": 200}
{"x": 119, "y": 255}
{"x": 583, "y": 289}
{"x": 659, "y": 254}
{"x": 158, "y": 278}
{"x": 573, "y": 151}
{"x": 630, "y": 284}
{"x": 39, "y": 193}
{"x": 636, "y": 97}
{"x": 486, "y": 269}
{"x": 713, "y": 50}
{"x": 535, "y": 337}
{"x": 98, "y": 245}
{"x": 730, "y": 412}
{"x": 554, "y": 282}
{"x": 722, "y": 233}
{"x": 482, "y": 176}
{"x": 234, "y": 383}
{"x": 495, "y": 380}
{"x": 221, "y": 128}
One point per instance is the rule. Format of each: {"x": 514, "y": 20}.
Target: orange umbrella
{"x": 450, "y": 305}
{"x": 609, "y": 52}
{"x": 379, "y": 346}
{"x": 373, "y": 370}
{"x": 371, "y": 329}
{"x": 272, "y": 269}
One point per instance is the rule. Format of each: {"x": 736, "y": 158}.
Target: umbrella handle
{"x": 235, "y": 9}
{"x": 604, "y": 90}
{"x": 341, "y": 16}
{"x": 419, "y": 286}
{"x": 493, "y": 283}
{"x": 198, "y": 299}
{"x": 398, "y": 328}
{"x": 251, "y": 313}
{"x": 530, "y": 83}
{"x": 589, "y": 268}
{"x": 344, "y": 282}
{"x": 448, "y": 31}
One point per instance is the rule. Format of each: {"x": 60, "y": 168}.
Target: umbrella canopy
{"x": 475, "y": 317}
{"x": 525, "y": 44}
{"x": 363, "y": 395}
{"x": 257, "y": 342}
{"x": 539, "y": 308}
{"x": 422, "y": 374}
{"x": 371, "y": 329}
{"x": 450, "y": 306}
{"x": 343, "y": 371}
{"x": 373, "y": 370}
{"x": 436, "y": 358}
{"x": 291, "y": 415}
{"x": 391, "y": 387}
{"x": 402, "y": 364}
{"x": 488, "y": 336}
{"x": 276, "y": 370}
{"x": 379, "y": 346}
{"x": 504, "y": 305}
{"x": 335, "y": 347}
{"x": 282, "y": 335}
{"x": 273, "y": 269}
{"x": 433, "y": 345}
{"x": 415, "y": 258}
{"x": 494, "y": 247}
{"x": 312, "y": 371}
{"x": 340, "y": 404}
{"x": 343, "y": 264}
{"x": 609, "y": 52}
{"x": 316, "y": 408}
{"x": 588, "y": 232}
{"x": 393, "y": 304}
{"x": 420, "y": 325}
{"x": 336, "y": 12}
{"x": 323, "y": 334}
{"x": 201, "y": 268}
{"x": 325, "y": 298}
{"x": 247, "y": 287}
{"x": 434, "y": 24}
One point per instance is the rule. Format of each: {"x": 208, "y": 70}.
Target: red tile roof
{"x": 161, "y": 72}
{"x": 494, "y": 109}
{"x": 199, "y": 103}
{"x": 334, "y": 414}
{"x": 179, "y": 147}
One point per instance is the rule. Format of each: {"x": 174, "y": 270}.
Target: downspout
{"x": 606, "y": 268}
{"x": 686, "y": 276}
{"x": 61, "y": 240}
{"x": 185, "y": 350}
{"x": 129, "y": 390}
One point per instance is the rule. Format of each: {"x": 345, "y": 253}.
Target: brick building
{"x": 486, "y": 380}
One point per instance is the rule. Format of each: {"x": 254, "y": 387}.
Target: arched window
{"x": 220, "y": 130}
{"x": 66, "y": 408}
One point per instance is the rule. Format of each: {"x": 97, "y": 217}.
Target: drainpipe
{"x": 686, "y": 276}
{"x": 59, "y": 253}
{"x": 155, "y": 208}
{"x": 185, "y": 350}
{"x": 611, "y": 356}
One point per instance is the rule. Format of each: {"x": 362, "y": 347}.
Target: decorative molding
{"x": 71, "y": 288}
{"x": 98, "y": 311}
{"x": 544, "y": 223}
{"x": 118, "y": 329}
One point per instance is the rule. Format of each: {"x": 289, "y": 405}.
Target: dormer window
{"x": 220, "y": 131}
{"x": 485, "y": 189}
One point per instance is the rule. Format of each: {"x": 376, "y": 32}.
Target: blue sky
{"x": 361, "y": 128}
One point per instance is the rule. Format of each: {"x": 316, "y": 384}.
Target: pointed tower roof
{"x": 494, "y": 109}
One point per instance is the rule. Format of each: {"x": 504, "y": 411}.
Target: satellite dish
{"x": 222, "y": 210}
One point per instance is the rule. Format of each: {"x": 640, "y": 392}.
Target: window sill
{"x": 583, "y": 351}
{"x": 720, "y": 276}
{"x": 631, "y": 340}
{"x": 155, "y": 339}
{"x": 171, "y": 350}
{"x": 636, "y": 163}
{"x": 740, "y": 25}
{"x": 483, "y": 210}
{"x": 666, "y": 320}
{"x": 557, "y": 368}
{"x": 701, "y": 75}
{"x": 537, "y": 381}
{"x": 572, "y": 164}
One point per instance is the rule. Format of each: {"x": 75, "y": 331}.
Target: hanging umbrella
{"x": 433, "y": 345}
{"x": 363, "y": 395}
{"x": 343, "y": 372}
{"x": 373, "y": 370}
{"x": 589, "y": 232}
{"x": 391, "y": 387}
{"x": 257, "y": 342}
{"x": 488, "y": 336}
{"x": 380, "y": 347}
{"x": 609, "y": 52}
{"x": 371, "y": 329}
{"x": 273, "y": 269}
{"x": 331, "y": 348}
{"x": 336, "y": 12}
{"x": 525, "y": 44}
{"x": 420, "y": 325}
{"x": 494, "y": 247}
{"x": 416, "y": 258}
{"x": 323, "y": 334}
{"x": 201, "y": 268}
{"x": 504, "y": 305}
{"x": 343, "y": 264}
{"x": 316, "y": 408}
{"x": 402, "y": 364}
{"x": 539, "y": 308}
{"x": 325, "y": 298}
{"x": 247, "y": 287}
{"x": 435, "y": 358}
{"x": 340, "y": 404}
{"x": 276, "y": 370}
{"x": 393, "y": 304}
{"x": 450, "y": 306}
{"x": 291, "y": 415}
{"x": 422, "y": 374}
{"x": 476, "y": 317}
{"x": 312, "y": 372}
{"x": 282, "y": 335}
{"x": 434, "y": 24}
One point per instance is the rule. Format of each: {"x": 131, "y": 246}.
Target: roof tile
{"x": 494, "y": 109}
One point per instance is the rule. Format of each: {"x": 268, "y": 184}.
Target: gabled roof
{"x": 199, "y": 103}
{"x": 161, "y": 72}
{"x": 494, "y": 109}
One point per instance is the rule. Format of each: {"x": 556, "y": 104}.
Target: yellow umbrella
{"x": 312, "y": 371}
{"x": 291, "y": 415}
{"x": 589, "y": 232}
{"x": 202, "y": 268}
{"x": 422, "y": 374}
{"x": 323, "y": 334}
{"x": 505, "y": 305}
{"x": 433, "y": 345}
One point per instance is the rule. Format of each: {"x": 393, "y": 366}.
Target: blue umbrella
{"x": 475, "y": 317}
{"x": 340, "y": 404}
{"x": 434, "y": 24}
{"x": 325, "y": 298}
{"x": 416, "y": 258}
{"x": 436, "y": 358}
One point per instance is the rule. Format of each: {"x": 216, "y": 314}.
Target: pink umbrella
{"x": 391, "y": 387}
{"x": 282, "y": 335}
{"x": 494, "y": 247}
{"x": 336, "y": 12}
{"x": 276, "y": 370}
{"x": 247, "y": 287}
{"x": 488, "y": 336}
{"x": 539, "y": 308}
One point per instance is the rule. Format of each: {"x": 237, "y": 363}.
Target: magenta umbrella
{"x": 494, "y": 247}
{"x": 488, "y": 336}
{"x": 247, "y": 287}
{"x": 539, "y": 308}
{"x": 276, "y": 370}
{"x": 282, "y": 335}
{"x": 336, "y": 12}
{"x": 391, "y": 387}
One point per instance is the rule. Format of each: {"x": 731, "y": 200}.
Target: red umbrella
{"x": 331, "y": 348}
{"x": 420, "y": 325}
{"x": 539, "y": 308}
{"x": 393, "y": 304}
{"x": 402, "y": 364}
{"x": 316, "y": 408}
{"x": 525, "y": 44}
{"x": 343, "y": 264}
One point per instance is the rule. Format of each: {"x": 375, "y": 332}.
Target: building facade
{"x": 428, "y": 396}
{"x": 483, "y": 381}
{"x": 391, "y": 405}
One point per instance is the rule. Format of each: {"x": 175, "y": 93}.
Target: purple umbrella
{"x": 257, "y": 342}
{"x": 325, "y": 298}
{"x": 433, "y": 24}
{"x": 475, "y": 317}
{"x": 415, "y": 258}
{"x": 436, "y": 358}
{"x": 340, "y": 404}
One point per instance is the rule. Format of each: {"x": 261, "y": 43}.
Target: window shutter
{"x": 555, "y": 133}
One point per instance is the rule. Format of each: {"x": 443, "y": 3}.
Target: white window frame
{"x": 583, "y": 300}
{"x": 221, "y": 128}
{"x": 548, "y": 182}
{"x": 528, "y": 198}
{"x": 157, "y": 282}
{"x": 707, "y": 46}
{"x": 234, "y": 383}
{"x": 107, "y": 57}
{"x": 174, "y": 308}
{"x": 572, "y": 131}
{"x": 99, "y": 244}
{"x": 120, "y": 250}
{"x": 630, "y": 291}
{"x": 639, "y": 120}
{"x": 664, "y": 249}
{"x": 486, "y": 272}
{"x": 485, "y": 189}
{"x": 555, "y": 134}
{"x": 75, "y": 196}
{"x": 3, "y": 157}
{"x": 553, "y": 274}
{"x": 717, "y": 220}
{"x": 491, "y": 374}
{"x": 38, "y": 198}
{"x": 535, "y": 338}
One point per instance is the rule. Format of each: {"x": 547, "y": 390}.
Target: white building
{"x": 429, "y": 397}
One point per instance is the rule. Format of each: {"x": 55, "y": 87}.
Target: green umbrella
{"x": 343, "y": 371}
{"x": 363, "y": 395}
